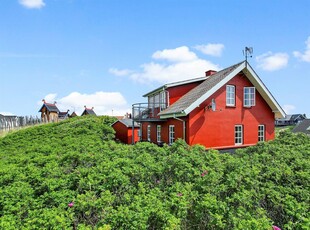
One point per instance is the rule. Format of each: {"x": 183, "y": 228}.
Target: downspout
{"x": 184, "y": 127}
{"x": 133, "y": 126}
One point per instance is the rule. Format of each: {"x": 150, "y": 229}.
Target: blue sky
{"x": 106, "y": 54}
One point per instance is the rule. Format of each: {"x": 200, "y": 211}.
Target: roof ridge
{"x": 194, "y": 94}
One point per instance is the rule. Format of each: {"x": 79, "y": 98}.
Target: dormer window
{"x": 158, "y": 100}
{"x": 249, "y": 96}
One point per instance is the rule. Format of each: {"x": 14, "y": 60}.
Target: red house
{"x": 124, "y": 129}
{"x": 226, "y": 109}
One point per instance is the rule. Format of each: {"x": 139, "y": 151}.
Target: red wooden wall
{"x": 216, "y": 129}
{"x": 175, "y": 93}
{"x": 124, "y": 133}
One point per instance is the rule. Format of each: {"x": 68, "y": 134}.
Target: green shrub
{"x": 72, "y": 175}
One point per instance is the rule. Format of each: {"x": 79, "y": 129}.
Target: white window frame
{"x": 238, "y": 134}
{"x": 158, "y": 131}
{"x": 148, "y": 133}
{"x": 139, "y": 134}
{"x": 261, "y": 133}
{"x": 163, "y": 100}
{"x": 171, "y": 134}
{"x": 230, "y": 95}
{"x": 248, "y": 96}
{"x": 151, "y": 101}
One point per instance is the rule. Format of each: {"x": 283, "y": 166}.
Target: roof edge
{"x": 177, "y": 83}
{"x": 200, "y": 100}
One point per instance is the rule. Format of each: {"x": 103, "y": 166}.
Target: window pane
{"x": 238, "y": 135}
{"x": 230, "y": 95}
{"x": 249, "y": 96}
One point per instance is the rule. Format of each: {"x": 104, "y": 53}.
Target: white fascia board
{"x": 157, "y": 90}
{"x": 265, "y": 93}
{"x": 214, "y": 89}
{"x": 173, "y": 84}
{"x": 170, "y": 115}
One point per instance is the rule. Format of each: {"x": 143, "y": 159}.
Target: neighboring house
{"x": 292, "y": 119}
{"x": 63, "y": 115}
{"x": 88, "y": 111}
{"x": 124, "y": 129}
{"x": 73, "y": 114}
{"x": 226, "y": 109}
{"x": 49, "y": 112}
{"x": 303, "y": 127}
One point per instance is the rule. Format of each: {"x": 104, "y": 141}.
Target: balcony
{"x": 147, "y": 111}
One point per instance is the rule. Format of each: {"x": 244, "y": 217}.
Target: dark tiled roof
{"x": 189, "y": 98}
{"x": 89, "y": 112}
{"x": 63, "y": 114}
{"x": 50, "y": 107}
{"x": 303, "y": 127}
{"x": 292, "y": 117}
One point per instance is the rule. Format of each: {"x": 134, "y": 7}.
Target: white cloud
{"x": 178, "y": 64}
{"x": 180, "y": 54}
{"x": 211, "y": 49}
{"x": 306, "y": 55}
{"x": 118, "y": 72}
{"x": 32, "y": 4}
{"x": 272, "y": 62}
{"x": 289, "y": 109}
{"x": 104, "y": 103}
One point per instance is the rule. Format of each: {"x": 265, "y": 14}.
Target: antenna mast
{"x": 247, "y": 52}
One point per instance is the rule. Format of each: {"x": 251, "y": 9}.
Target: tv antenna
{"x": 247, "y": 52}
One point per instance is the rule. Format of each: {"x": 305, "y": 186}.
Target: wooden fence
{"x": 14, "y": 122}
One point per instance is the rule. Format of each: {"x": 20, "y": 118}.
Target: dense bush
{"x": 72, "y": 175}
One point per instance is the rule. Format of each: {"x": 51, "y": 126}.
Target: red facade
{"x": 124, "y": 133}
{"x": 216, "y": 129}
{"x": 203, "y": 112}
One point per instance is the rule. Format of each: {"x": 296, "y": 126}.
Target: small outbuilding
{"x": 49, "y": 112}
{"x": 124, "y": 128}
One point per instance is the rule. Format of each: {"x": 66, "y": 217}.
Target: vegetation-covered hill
{"x": 72, "y": 175}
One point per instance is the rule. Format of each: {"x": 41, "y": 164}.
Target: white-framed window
{"x": 238, "y": 134}
{"x": 249, "y": 96}
{"x": 261, "y": 133}
{"x": 158, "y": 131}
{"x": 158, "y": 100}
{"x": 139, "y": 134}
{"x": 230, "y": 95}
{"x": 163, "y": 100}
{"x": 148, "y": 133}
{"x": 151, "y": 101}
{"x": 171, "y": 134}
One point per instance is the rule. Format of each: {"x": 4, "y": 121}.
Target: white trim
{"x": 173, "y": 84}
{"x": 264, "y": 92}
{"x": 158, "y": 134}
{"x": 171, "y": 139}
{"x": 214, "y": 89}
{"x": 229, "y": 98}
{"x": 261, "y": 131}
{"x": 239, "y": 126}
{"x": 148, "y": 133}
{"x": 249, "y": 99}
